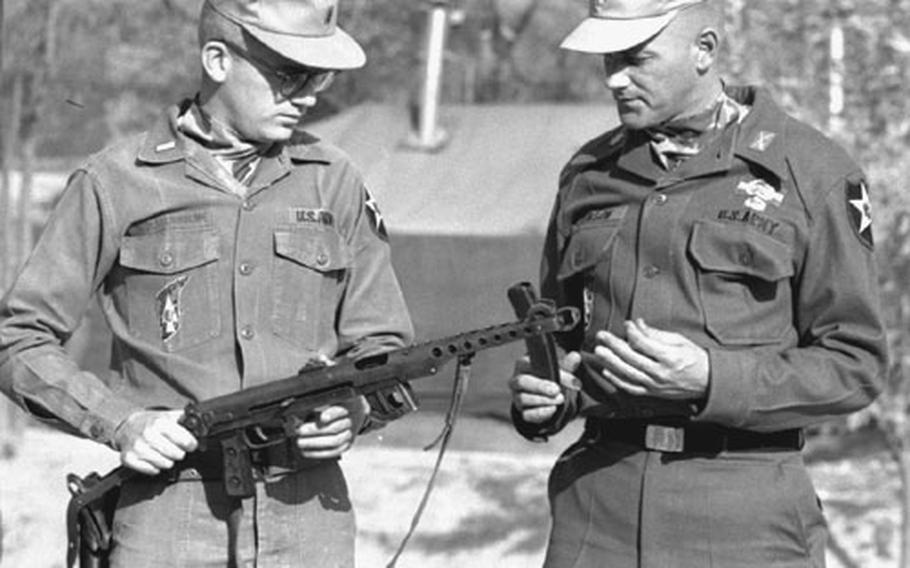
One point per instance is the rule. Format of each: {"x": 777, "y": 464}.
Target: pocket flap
{"x": 159, "y": 254}
{"x": 318, "y": 249}
{"x": 719, "y": 247}
{"x": 587, "y": 246}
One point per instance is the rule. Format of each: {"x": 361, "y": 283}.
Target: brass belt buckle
{"x": 664, "y": 438}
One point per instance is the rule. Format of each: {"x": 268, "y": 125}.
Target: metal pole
{"x": 1, "y": 35}
{"x": 428, "y": 136}
{"x": 436, "y": 31}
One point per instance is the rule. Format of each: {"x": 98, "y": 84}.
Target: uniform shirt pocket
{"x": 586, "y": 267}
{"x": 589, "y": 243}
{"x": 171, "y": 285}
{"x": 743, "y": 283}
{"x": 310, "y": 266}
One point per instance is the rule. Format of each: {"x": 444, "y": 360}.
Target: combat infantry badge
{"x": 859, "y": 210}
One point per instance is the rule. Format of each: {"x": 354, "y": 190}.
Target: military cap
{"x": 304, "y": 31}
{"x": 617, "y": 25}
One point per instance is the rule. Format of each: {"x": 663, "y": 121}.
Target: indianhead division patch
{"x": 376, "y": 221}
{"x": 859, "y": 210}
{"x": 170, "y": 313}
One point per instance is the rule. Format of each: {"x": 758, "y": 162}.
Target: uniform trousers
{"x": 619, "y": 506}
{"x": 295, "y": 520}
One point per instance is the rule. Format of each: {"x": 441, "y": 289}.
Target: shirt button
{"x": 166, "y": 258}
{"x": 246, "y": 268}
{"x": 651, "y": 271}
{"x": 322, "y": 259}
{"x": 248, "y": 205}
{"x": 96, "y": 431}
{"x": 247, "y": 332}
{"x": 659, "y": 199}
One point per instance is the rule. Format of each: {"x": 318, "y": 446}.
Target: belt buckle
{"x": 665, "y": 438}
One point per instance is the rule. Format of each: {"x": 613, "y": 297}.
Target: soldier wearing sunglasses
{"x": 227, "y": 248}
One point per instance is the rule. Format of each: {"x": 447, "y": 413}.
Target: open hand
{"x": 652, "y": 362}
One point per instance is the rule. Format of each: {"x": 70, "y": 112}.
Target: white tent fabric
{"x": 467, "y": 220}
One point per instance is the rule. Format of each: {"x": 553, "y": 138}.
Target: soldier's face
{"x": 655, "y": 81}
{"x": 257, "y": 108}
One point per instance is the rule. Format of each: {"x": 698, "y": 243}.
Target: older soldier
{"x": 722, "y": 254}
{"x": 228, "y": 248}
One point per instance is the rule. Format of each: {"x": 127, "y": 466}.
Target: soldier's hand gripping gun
{"x": 268, "y": 414}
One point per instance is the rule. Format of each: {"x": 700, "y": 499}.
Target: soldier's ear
{"x": 707, "y": 44}
{"x": 216, "y": 60}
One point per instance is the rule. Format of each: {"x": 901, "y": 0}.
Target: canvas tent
{"x": 467, "y": 220}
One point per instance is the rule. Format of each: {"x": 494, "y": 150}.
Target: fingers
{"x": 653, "y": 362}
{"x": 567, "y": 368}
{"x": 528, "y": 390}
{"x": 176, "y": 433}
{"x": 621, "y": 379}
{"x": 152, "y": 441}
{"x": 535, "y": 398}
{"x": 624, "y": 361}
{"x": 328, "y": 435}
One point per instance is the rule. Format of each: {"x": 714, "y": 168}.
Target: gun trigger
{"x": 392, "y": 402}
{"x": 291, "y": 424}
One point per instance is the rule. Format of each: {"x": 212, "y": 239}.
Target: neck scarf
{"x": 238, "y": 156}
{"x": 677, "y": 139}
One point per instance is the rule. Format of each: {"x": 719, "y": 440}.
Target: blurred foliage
{"x": 113, "y": 64}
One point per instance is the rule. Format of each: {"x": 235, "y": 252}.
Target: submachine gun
{"x": 268, "y": 414}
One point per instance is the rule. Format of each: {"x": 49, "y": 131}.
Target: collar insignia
{"x": 763, "y": 141}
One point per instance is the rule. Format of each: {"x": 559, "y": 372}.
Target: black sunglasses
{"x": 311, "y": 81}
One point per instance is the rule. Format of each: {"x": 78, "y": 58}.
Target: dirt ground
{"x": 488, "y": 508}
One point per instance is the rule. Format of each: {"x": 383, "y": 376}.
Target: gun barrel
{"x": 255, "y": 404}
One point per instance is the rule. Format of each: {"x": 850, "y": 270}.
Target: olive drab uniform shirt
{"x": 759, "y": 249}
{"x": 206, "y": 291}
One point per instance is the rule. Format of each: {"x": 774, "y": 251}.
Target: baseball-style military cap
{"x": 617, "y": 25}
{"x": 305, "y": 31}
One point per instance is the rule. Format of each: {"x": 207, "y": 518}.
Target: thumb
{"x": 568, "y": 365}
{"x": 175, "y": 414}
{"x": 571, "y": 361}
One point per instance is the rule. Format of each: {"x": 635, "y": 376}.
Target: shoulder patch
{"x": 859, "y": 211}
{"x": 375, "y": 217}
